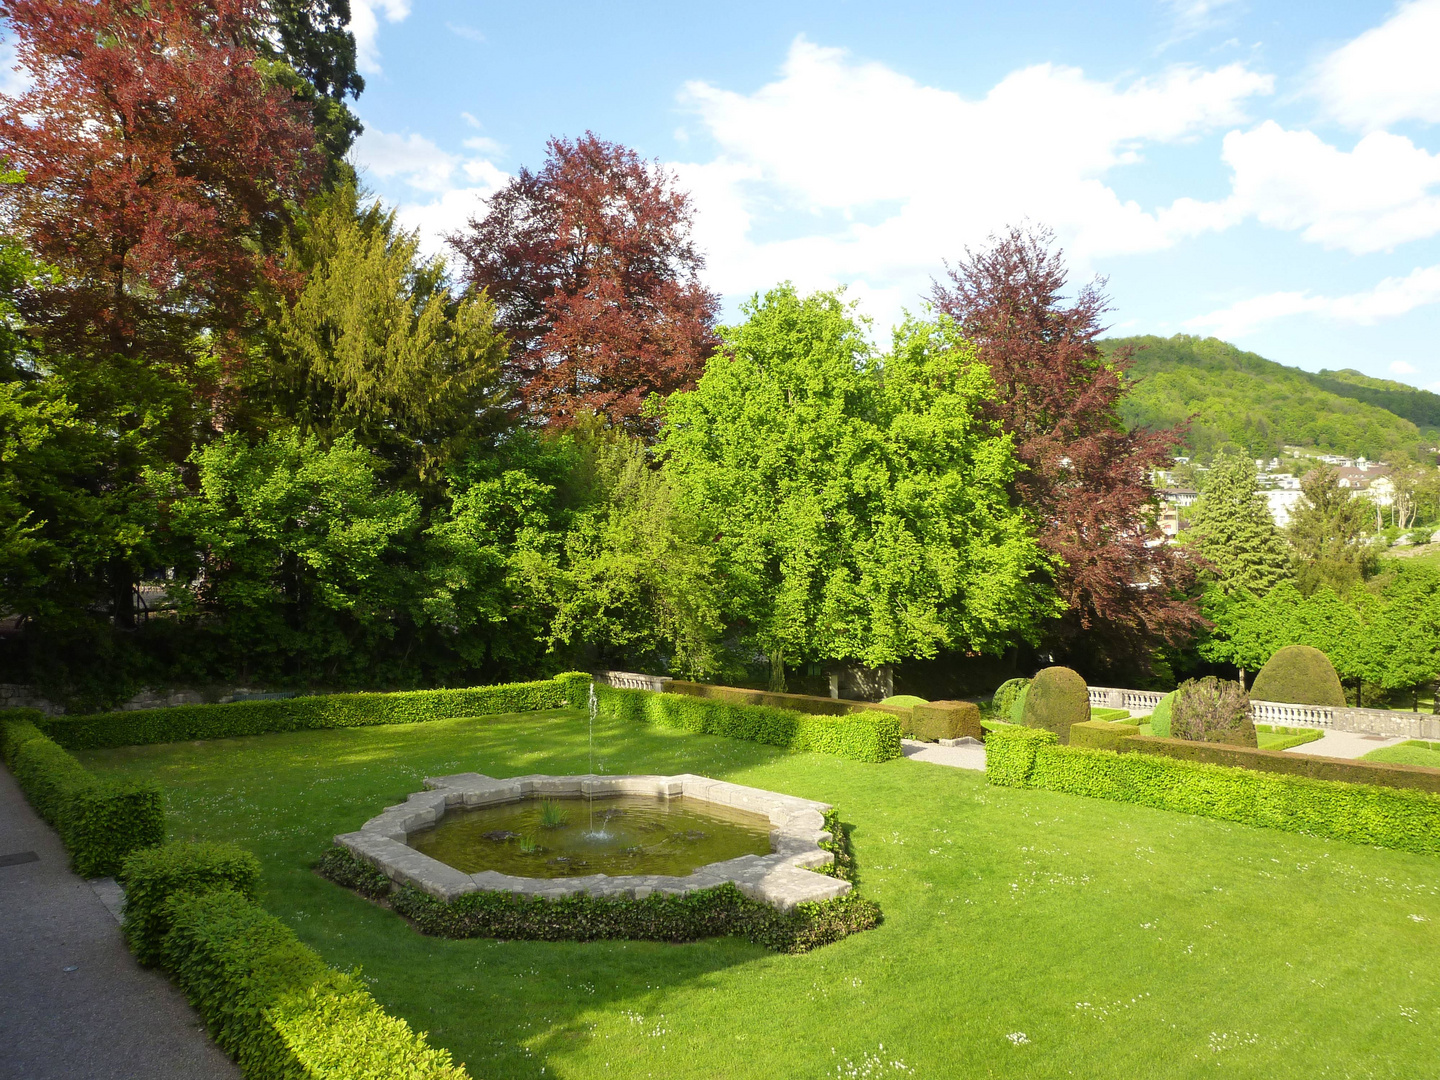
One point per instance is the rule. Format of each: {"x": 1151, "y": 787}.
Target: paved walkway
{"x": 1344, "y": 744}
{"x": 968, "y": 756}
{"x": 74, "y": 1005}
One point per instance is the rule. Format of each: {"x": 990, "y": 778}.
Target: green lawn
{"x": 1027, "y": 933}
{"x": 1415, "y": 752}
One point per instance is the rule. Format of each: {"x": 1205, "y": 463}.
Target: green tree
{"x": 634, "y": 574}
{"x": 302, "y": 556}
{"x": 1231, "y": 527}
{"x": 860, "y": 507}
{"x": 1327, "y": 530}
{"x": 375, "y": 345}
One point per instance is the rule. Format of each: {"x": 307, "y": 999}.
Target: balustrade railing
{"x": 630, "y": 680}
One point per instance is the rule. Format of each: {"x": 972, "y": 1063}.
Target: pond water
{"x": 615, "y": 835}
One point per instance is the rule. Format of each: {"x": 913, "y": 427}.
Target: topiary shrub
{"x": 1212, "y": 710}
{"x": 1005, "y": 696}
{"x": 1299, "y": 675}
{"x": 1056, "y": 698}
{"x": 946, "y": 720}
{"x": 905, "y": 701}
{"x": 1160, "y": 718}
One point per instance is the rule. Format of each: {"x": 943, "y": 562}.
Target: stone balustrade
{"x": 629, "y": 680}
{"x": 1405, "y": 725}
{"x": 1138, "y": 702}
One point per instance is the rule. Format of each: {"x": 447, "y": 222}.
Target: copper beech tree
{"x": 596, "y": 282}
{"x": 1086, "y": 479}
{"x": 156, "y": 158}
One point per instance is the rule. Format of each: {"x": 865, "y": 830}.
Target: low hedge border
{"x": 864, "y": 736}
{"x": 1127, "y": 739}
{"x": 1366, "y": 813}
{"x": 184, "y": 723}
{"x": 719, "y": 912}
{"x": 100, "y": 821}
{"x": 268, "y": 1000}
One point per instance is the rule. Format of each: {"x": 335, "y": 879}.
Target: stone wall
{"x": 13, "y": 696}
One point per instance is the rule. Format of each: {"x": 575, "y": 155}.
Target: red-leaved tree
{"x": 1086, "y": 478}
{"x": 596, "y": 280}
{"x": 157, "y": 158}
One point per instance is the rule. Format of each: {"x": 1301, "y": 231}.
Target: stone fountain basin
{"x": 783, "y": 878}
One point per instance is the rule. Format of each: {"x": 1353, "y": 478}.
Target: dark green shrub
{"x": 1005, "y": 695}
{"x": 1212, "y": 710}
{"x": 189, "y": 722}
{"x": 1393, "y": 817}
{"x": 1160, "y": 717}
{"x": 946, "y": 720}
{"x": 99, "y": 821}
{"x": 152, "y": 876}
{"x": 1299, "y": 675}
{"x": 1056, "y": 698}
{"x": 862, "y": 736}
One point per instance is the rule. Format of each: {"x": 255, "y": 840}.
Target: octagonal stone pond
{"x": 556, "y": 836}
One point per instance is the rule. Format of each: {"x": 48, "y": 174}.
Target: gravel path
{"x": 74, "y": 1004}
{"x": 969, "y": 756}
{"x": 1344, "y": 744}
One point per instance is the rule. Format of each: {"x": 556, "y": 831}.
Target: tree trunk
{"x": 122, "y": 595}
{"x": 1242, "y": 677}
{"x": 777, "y": 672}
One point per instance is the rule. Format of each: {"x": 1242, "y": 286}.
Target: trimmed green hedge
{"x": 1112, "y": 714}
{"x": 938, "y": 720}
{"x": 1160, "y": 716}
{"x": 1299, "y": 674}
{"x": 99, "y": 821}
{"x": 1102, "y": 734}
{"x": 273, "y": 1005}
{"x": 189, "y": 722}
{"x": 862, "y": 736}
{"x": 268, "y": 1000}
{"x": 1405, "y": 819}
{"x": 1005, "y": 695}
{"x": 152, "y": 876}
{"x": 719, "y": 912}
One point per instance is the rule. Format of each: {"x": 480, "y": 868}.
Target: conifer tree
{"x": 1233, "y": 529}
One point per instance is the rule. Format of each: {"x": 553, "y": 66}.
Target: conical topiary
{"x": 1299, "y": 675}
{"x": 1056, "y": 698}
{"x": 1006, "y": 695}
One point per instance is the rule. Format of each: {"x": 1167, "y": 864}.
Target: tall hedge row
{"x": 184, "y": 723}
{"x": 1401, "y": 818}
{"x": 100, "y": 821}
{"x": 862, "y": 736}
{"x": 268, "y": 1000}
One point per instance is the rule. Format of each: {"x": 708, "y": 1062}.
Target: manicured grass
{"x": 1414, "y": 752}
{"x": 1283, "y": 738}
{"x": 1109, "y": 714}
{"x": 1027, "y": 933}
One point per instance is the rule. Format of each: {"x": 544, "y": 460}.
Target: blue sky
{"x": 1265, "y": 172}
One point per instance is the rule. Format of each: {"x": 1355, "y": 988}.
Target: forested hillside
{"x": 1239, "y": 397}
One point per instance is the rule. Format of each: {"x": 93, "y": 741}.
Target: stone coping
{"x": 783, "y": 878}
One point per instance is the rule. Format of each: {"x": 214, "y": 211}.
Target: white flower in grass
{"x": 1018, "y": 1038}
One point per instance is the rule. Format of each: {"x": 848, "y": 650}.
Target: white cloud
{"x": 1389, "y": 73}
{"x": 1400, "y": 367}
{"x": 1390, "y": 298}
{"x": 413, "y": 158}
{"x": 1384, "y": 192}
{"x": 896, "y": 175}
{"x": 451, "y": 188}
{"x": 1190, "y": 17}
{"x": 469, "y": 33}
{"x": 365, "y": 25}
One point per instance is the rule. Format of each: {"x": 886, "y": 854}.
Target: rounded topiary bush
{"x": 1299, "y": 675}
{"x": 1006, "y": 696}
{"x": 1160, "y": 717}
{"x": 1212, "y": 710}
{"x": 1056, "y": 698}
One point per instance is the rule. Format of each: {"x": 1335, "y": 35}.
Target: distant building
{"x": 1281, "y": 502}
{"x": 1172, "y": 501}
